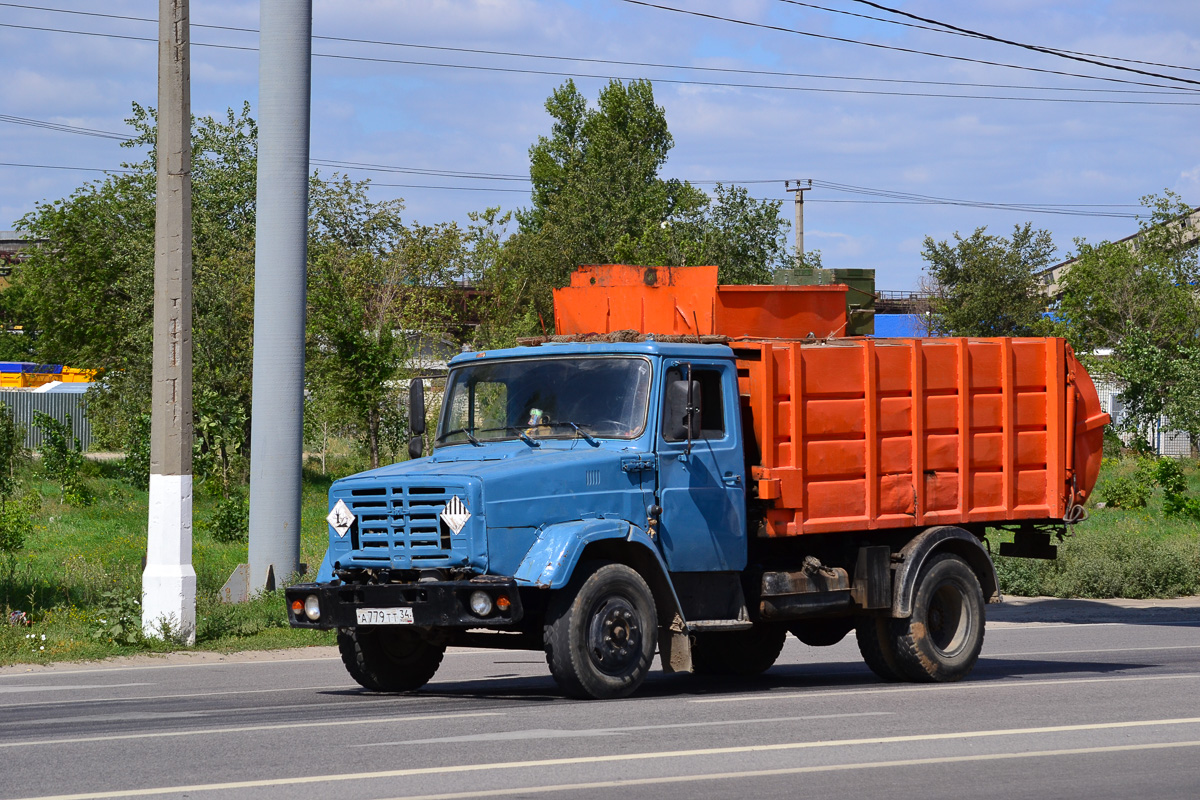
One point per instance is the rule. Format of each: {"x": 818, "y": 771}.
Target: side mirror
{"x": 416, "y": 447}
{"x": 682, "y": 422}
{"x": 416, "y": 406}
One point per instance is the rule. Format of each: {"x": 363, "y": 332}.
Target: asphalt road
{"x": 1071, "y": 699}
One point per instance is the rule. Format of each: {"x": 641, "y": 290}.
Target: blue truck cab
{"x": 585, "y": 499}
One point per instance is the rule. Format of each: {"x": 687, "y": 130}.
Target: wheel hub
{"x": 614, "y": 638}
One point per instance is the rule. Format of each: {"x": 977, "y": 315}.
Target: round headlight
{"x": 312, "y": 607}
{"x": 481, "y": 604}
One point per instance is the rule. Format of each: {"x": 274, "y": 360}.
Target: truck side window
{"x": 712, "y": 407}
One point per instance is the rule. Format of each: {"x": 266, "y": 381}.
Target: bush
{"x": 135, "y": 469}
{"x": 62, "y": 458}
{"x": 230, "y": 522}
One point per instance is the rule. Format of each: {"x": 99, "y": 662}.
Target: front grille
{"x": 400, "y": 527}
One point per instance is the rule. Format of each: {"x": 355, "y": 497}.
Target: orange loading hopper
{"x": 861, "y": 433}
{"x": 688, "y": 301}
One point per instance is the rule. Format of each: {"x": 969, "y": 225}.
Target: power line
{"x": 952, "y": 32}
{"x": 680, "y": 81}
{"x": 909, "y": 50}
{"x": 1023, "y": 46}
{"x": 617, "y": 62}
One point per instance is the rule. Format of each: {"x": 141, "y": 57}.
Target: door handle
{"x": 731, "y": 479}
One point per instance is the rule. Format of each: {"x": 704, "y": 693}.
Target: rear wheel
{"x": 741, "y": 653}
{"x": 878, "y": 647}
{"x": 942, "y": 639}
{"x": 386, "y": 660}
{"x": 601, "y": 632}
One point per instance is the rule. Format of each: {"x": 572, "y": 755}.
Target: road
{"x": 1070, "y": 699}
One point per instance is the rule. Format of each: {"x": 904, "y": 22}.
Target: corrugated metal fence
{"x": 57, "y": 405}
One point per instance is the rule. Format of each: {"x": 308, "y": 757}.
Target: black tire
{"x": 823, "y": 632}
{"x": 601, "y": 632}
{"x": 738, "y": 653}
{"x": 942, "y": 639}
{"x": 877, "y": 644}
{"x": 389, "y": 660}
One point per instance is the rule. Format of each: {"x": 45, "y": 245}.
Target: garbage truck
{"x": 695, "y": 471}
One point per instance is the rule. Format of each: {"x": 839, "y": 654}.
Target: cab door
{"x": 701, "y": 485}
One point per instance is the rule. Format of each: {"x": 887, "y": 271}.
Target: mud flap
{"x": 675, "y": 647}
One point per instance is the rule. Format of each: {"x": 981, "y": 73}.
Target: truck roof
{"x": 648, "y": 347}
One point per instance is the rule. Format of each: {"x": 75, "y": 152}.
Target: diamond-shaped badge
{"x": 340, "y": 517}
{"x": 455, "y": 514}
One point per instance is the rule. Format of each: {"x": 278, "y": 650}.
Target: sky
{"x": 888, "y": 117}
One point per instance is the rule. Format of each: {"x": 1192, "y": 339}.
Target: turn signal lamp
{"x": 503, "y": 603}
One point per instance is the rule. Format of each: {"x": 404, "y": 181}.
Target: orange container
{"x": 861, "y": 434}
{"x": 864, "y": 434}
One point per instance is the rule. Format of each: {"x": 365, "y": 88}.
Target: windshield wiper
{"x": 470, "y": 436}
{"x": 525, "y": 437}
{"x": 587, "y": 436}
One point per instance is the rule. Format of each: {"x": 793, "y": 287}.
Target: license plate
{"x": 384, "y": 616}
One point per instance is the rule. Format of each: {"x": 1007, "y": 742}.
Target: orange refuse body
{"x": 862, "y": 433}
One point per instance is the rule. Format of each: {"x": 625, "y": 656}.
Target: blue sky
{"x": 1052, "y": 151}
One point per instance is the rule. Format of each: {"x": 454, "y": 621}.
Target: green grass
{"x": 80, "y": 565}
{"x": 1117, "y": 552}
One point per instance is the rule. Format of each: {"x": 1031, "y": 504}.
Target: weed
{"x": 119, "y": 618}
{"x": 62, "y": 458}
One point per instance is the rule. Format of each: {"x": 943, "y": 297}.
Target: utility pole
{"x": 169, "y": 581}
{"x": 281, "y": 253}
{"x": 799, "y": 187}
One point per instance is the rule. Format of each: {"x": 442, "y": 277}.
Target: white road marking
{"x": 67, "y": 687}
{"x": 137, "y": 698}
{"x": 940, "y": 687}
{"x": 248, "y": 662}
{"x": 766, "y": 773}
{"x": 1101, "y": 650}
{"x": 627, "y": 757}
{"x": 244, "y": 729}
{"x": 566, "y": 733}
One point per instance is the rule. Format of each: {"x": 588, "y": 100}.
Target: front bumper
{"x": 441, "y": 604}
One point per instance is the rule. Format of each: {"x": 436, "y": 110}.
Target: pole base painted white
{"x": 169, "y": 581}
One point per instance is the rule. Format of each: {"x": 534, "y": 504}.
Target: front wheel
{"x": 387, "y": 660}
{"x": 942, "y": 639}
{"x": 601, "y": 632}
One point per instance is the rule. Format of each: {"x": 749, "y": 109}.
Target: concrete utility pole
{"x": 169, "y": 581}
{"x": 800, "y": 187}
{"x": 280, "y": 260}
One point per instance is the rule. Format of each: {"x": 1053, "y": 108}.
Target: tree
{"x": 379, "y": 292}
{"x": 598, "y": 198}
{"x": 1138, "y": 299}
{"x": 87, "y": 292}
{"x": 987, "y": 285}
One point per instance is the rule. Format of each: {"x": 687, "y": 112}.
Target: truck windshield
{"x": 546, "y": 398}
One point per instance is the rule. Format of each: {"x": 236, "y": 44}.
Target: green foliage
{"x": 1138, "y": 298}
{"x": 62, "y": 458}
{"x": 1108, "y": 563}
{"x": 87, "y": 293}
{"x": 1126, "y": 491}
{"x": 379, "y": 297}
{"x": 1176, "y": 503}
{"x": 12, "y": 448}
{"x": 230, "y": 521}
{"x": 119, "y": 618}
{"x": 136, "y": 466}
{"x": 987, "y": 285}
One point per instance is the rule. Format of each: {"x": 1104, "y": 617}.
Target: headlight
{"x": 481, "y": 604}
{"x": 312, "y": 607}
